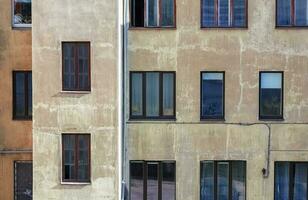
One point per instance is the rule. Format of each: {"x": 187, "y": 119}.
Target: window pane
{"x": 69, "y": 156}
{"x": 69, "y": 66}
{"x": 238, "y": 180}
{"x": 137, "y": 13}
{"x": 136, "y": 180}
{"x": 168, "y": 94}
{"x": 223, "y": 180}
{"x": 152, "y": 184}
{"x": 83, "y": 162}
{"x": 271, "y": 94}
{"x": 207, "y": 180}
{"x": 208, "y": 13}
{"x": 167, "y": 12}
{"x": 23, "y": 181}
{"x": 20, "y": 110}
{"x": 283, "y": 12}
{"x": 152, "y": 94}
{"x": 301, "y": 12}
{"x": 223, "y": 13}
{"x": 22, "y": 11}
{"x": 136, "y": 105}
{"x": 212, "y": 95}
{"x": 83, "y": 71}
{"x": 239, "y": 12}
{"x": 30, "y": 94}
{"x": 300, "y": 181}
{"x": 282, "y": 181}
{"x": 168, "y": 181}
{"x": 152, "y": 12}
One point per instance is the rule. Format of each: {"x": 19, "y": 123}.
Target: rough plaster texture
{"x": 57, "y": 112}
{"x": 15, "y": 54}
{"x": 241, "y": 53}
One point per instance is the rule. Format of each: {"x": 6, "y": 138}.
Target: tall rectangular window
{"x": 224, "y": 13}
{"x": 271, "y": 95}
{"x": 212, "y": 95}
{"x": 22, "y": 95}
{"x": 152, "y": 13}
{"x": 292, "y": 13}
{"x": 152, "y": 180}
{"x": 291, "y": 180}
{"x": 223, "y": 180}
{"x": 23, "y": 180}
{"x": 22, "y": 16}
{"x": 76, "y": 157}
{"x": 76, "y": 73}
{"x": 152, "y": 95}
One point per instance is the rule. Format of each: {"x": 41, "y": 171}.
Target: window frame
{"x": 131, "y": 26}
{"x": 292, "y": 15}
{"x": 145, "y": 177}
{"x": 291, "y": 176}
{"x": 15, "y": 174}
{"x": 26, "y": 82}
{"x": 215, "y": 176}
{"x": 271, "y": 118}
{"x": 12, "y": 17}
{"x": 76, "y": 154}
{"x": 161, "y": 116}
{"x": 75, "y": 43}
{"x": 220, "y": 118}
{"x": 231, "y": 15}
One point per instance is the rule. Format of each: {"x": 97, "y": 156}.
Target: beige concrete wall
{"x": 241, "y": 53}
{"x": 57, "y": 112}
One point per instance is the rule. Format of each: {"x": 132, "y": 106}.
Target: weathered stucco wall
{"x": 57, "y": 112}
{"x": 241, "y": 53}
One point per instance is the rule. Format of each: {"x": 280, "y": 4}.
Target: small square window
{"x": 22, "y": 16}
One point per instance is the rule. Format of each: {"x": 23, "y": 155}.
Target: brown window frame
{"x": 76, "y": 156}
{"x": 27, "y": 116}
{"x": 76, "y": 67}
{"x": 145, "y": 18}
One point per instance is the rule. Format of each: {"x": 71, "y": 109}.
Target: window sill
{"x": 132, "y": 120}
{"x": 152, "y": 28}
{"x": 291, "y": 27}
{"x": 75, "y": 183}
{"x": 213, "y": 120}
{"x": 225, "y": 27}
{"x": 75, "y": 92}
{"x": 20, "y": 27}
{"x": 271, "y": 119}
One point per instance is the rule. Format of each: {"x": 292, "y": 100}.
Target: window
{"x": 76, "y": 66}
{"x": 152, "y": 95}
{"x": 292, "y": 13}
{"x": 223, "y": 180}
{"x": 22, "y": 95}
{"x": 291, "y": 180}
{"x": 224, "y": 13}
{"x": 23, "y": 180}
{"x": 152, "y": 180}
{"x": 271, "y": 95}
{"x": 152, "y": 13}
{"x": 76, "y": 158}
{"x": 21, "y": 13}
{"x": 212, "y": 95}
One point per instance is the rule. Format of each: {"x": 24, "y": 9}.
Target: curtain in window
{"x": 283, "y": 12}
{"x": 223, "y": 180}
{"x": 282, "y": 181}
{"x": 152, "y": 12}
{"x": 207, "y": 181}
{"x": 208, "y": 13}
{"x": 168, "y": 93}
{"x": 223, "y": 13}
{"x": 136, "y": 105}
{"x": 136, "y": 180}
{"x": 300, "y": 181}
{"x": 152, "y": 94}
{"x": 238, "y": 180}
{"x": 239, "y": 13}
{"x": 167, "y": 12}
{"x": 301, "y": 12}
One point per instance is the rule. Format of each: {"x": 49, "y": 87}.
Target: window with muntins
{"x": 271, "y": 95}
{"x": 22, "y": 16}
{"x": 224, "y": 13}
{"x": 152, "y": 180}
{"x": 212, "y": 95}
{"x": 292, "y": 13}
{"x": 76, "y": 157}
{"x": 76, "y": 72}
{"x": 152, "y": 95}
{"x": 223, "y": 180}
{"x": 291, "y": 180}
{"x": 152, "y": 13}
{"x": 22, "y": 95}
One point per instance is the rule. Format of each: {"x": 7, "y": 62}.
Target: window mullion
{"x": 145, "y": 13}
{"x": 293, "y": 12}
{"x": 231, "y": 19}
{"x": 159, "y": 15}
{"x": 291, "y": 180}
{"x": 217, "y": 12}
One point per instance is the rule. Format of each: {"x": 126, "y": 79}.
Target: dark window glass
{"x": 212, "y": 95}
{"x": 224, "y": 13}
{"x": 76, "y": 66}
{"x": 271, "y": 95}
{"x": 291, "y": 180}
{"x": 152, "y": 95}
{"x": 152, "y": 13}
{"x": 152, "y": 180}
{"x": 22, "y": 97}
{"x": 289, "y": 15}
{"x": 23, "y": 180}
{"x": 76, "y": 158}
{"x": 223, "y": 180}
{"x": 22, "y": 13}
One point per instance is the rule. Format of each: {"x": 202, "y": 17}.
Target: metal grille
{"x": 23, "y": 180}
